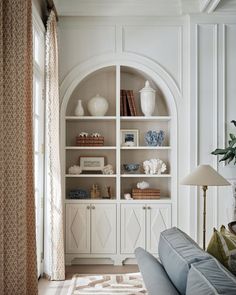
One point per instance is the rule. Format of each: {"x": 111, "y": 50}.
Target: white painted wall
{"x": 198, "y": 53}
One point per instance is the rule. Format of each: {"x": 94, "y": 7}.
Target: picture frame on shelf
{"x": 129, "y": 137}
{"x": 92, "y": 164}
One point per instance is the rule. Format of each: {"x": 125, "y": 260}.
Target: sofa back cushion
{"x": 155, "y": 278}
{"x": 211, "y": 278}
{"x": 177, "y": 251}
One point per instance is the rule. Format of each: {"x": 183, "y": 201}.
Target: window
{"x": 38, "y": 120}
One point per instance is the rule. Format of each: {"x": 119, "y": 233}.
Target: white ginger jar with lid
{"x": 147, "y": 97}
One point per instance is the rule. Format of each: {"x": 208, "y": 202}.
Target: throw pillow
{"x": 223, "y": 247}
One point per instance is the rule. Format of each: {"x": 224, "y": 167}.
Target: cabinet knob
{"x": 144, "y": 207}
{"x": 149, "y": 208}
{"x": 93, "y": 207}
{"x": 88, "y": 207}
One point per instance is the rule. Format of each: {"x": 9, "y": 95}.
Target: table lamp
{"x": 204, "y": 176}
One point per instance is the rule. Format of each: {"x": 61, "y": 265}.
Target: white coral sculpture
{"x": 154, "y": 166}
{"x": 75, "y": 170}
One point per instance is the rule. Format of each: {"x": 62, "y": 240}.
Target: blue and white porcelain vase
{"x": 154, "y": 138}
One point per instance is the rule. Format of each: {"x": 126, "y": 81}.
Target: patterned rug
{"x": 128, "y": 284}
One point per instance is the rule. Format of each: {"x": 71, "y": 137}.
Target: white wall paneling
{"x": 192, "y": 59}
{"x": 211, "y": 102}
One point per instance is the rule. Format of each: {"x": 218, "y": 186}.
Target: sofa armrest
{"x": 155, "y": 278}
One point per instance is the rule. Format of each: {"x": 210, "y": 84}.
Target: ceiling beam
{"x": 208, "y": 6}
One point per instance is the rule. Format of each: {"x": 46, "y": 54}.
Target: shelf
{"x": 147, "y": 175}
{"x": 163, "y": 200}
{"x": 89, "y": 175}
{"x": 146, "y": 148}
{"x": 90, "y": 201}
{"x": 88, "y": 118}
{"x": 90, "y": 147}
{"x": 143, "y": 118}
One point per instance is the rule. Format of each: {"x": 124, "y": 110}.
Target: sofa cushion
{"x": 210, "y": 277}
{"x": 177, "y": 251}
{"x": 154, "y": 275}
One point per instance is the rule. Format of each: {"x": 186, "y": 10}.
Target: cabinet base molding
{"x": 82, "y": 259}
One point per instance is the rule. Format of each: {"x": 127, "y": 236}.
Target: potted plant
{"x": 229, "y": 153}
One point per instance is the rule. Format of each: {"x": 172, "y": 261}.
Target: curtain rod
{"x": 51, "y": 6}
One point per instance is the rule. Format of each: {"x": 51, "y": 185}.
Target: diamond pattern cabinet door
{"x": 132, "y": 227}
{"x": 77, "y": 228}
{"x": 158, "y": 219}
{"x": 103, "y": 228}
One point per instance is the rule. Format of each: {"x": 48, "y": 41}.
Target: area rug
{"x": 109, "y": 284}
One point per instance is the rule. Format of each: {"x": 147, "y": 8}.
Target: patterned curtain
{"x": 54, "y": 242}
{"x": 18, "y": 272}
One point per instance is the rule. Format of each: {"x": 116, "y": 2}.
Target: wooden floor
{"x": 60, "y": 288}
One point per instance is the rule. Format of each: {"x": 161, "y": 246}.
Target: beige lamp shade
{"x": 205, "y": 175}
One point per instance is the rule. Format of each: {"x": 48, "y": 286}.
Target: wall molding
{"x": 179, "y": 80}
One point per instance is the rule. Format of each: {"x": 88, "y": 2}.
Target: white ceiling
{"x": 141, "y": 7}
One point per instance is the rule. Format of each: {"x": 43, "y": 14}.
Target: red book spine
{"x": 133, "y": 103}
{"x": 121, "y": 103}
{"x": 129, "y": 99}
{"x": 125, "y": 103}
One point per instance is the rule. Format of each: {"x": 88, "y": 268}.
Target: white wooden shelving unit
{"x": 112, "y": 229}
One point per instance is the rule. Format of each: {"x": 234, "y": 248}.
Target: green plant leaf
{"x": 232, "y": 142}
{"x": 231, "y": 158}
{"x": 234, "y": 122}
{"x": 227, "y": 156}
{"x": 232, "y": 136}
{"x": 220, "y": 151}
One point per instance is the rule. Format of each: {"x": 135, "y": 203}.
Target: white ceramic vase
{"x": 98, "y": 106}
{"x": 147, "y": 97}
{"x": 79, "y": 110}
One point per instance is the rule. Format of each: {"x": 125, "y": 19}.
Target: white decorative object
{"x": 128, "y": 196}
{"x": 143, "y": 185}
{"x": 95, "y": 134}
{"x": 108, "y": 169}
{"x": 154, "y": 166}
{"x": 75, "y": 170}
{"x": 79, "y": 110}
{"x": 147, "y": 97}
{"x": 83, "y": 134}
{"x": 98, "y": 106}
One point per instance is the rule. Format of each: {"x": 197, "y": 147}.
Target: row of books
{"x": 127, "y": 103}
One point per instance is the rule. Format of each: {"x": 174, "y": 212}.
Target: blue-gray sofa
{"x": 184, "y": 268}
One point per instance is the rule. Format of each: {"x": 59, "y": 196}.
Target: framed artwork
{"x": 91, "y": 163}
{"x": 129, "y": 137}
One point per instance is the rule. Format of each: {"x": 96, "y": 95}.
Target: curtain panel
{"x": 54, "y": 265}
{"x": 18, "y": 273}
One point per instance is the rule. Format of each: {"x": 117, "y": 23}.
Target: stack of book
{"x": 148, "y": 193}
{"x": 127, "y": 103}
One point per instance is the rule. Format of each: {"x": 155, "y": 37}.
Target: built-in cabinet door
{"x": 77, "y": 228}
{"x": 103, "y": 238}
{"x": 132, "y": 227}
{"x": 158, "y": 218}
